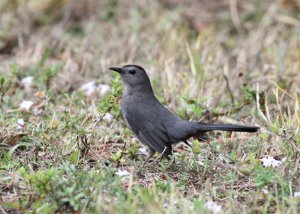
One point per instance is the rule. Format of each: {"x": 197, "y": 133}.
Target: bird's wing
{"x": 153, "y": 135}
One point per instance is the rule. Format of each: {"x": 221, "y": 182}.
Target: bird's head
{"x": 133, "y": 76}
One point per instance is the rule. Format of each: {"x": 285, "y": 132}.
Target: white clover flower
{"x": 271, "y": 162}
{"x": 297, "y": 194}
{"x": 122, "y": 173}
{"x": 88, "y": 88}
{"x": 27, "y": 81}
{"x": 26, "y": 105}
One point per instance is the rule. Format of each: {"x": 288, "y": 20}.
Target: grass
{"x": 68, "y": 150}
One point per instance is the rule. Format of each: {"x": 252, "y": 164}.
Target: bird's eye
{"x": 132, "y": 71}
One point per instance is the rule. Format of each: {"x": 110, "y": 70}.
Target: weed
{"x": 110, "y": 103}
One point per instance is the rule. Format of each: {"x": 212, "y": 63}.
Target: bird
{"x": 152, "y": 123}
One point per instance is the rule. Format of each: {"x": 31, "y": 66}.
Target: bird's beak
{"x": 117, "y": 69}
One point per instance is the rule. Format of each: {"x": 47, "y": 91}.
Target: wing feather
{"x": 152, "y": 135}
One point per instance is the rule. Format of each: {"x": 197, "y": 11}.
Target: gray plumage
{"x": 153, "y": 124}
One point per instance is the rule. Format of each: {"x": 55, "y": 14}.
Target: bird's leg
{"x": 151, "y": 153}
{"x": 166, "y": 154}
{"x": 188, "y": 144}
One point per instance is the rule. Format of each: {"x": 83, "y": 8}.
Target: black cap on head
{"x": 135, "y": 66}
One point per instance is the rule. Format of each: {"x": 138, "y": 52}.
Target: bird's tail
{"x": 227, "y": 127}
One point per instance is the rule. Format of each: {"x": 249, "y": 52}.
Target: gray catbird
{"x": 153, "y": 124}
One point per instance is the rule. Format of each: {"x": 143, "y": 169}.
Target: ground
{"x": 65, "y": 147}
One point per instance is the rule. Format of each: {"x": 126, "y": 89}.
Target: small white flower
{"x": 213, "y": 207}
{"x": 144, "y": 151}
{"x": 103, "y": 89}
{"x": 108, "y": 117}
{"x": 27, "y": 81}
{"x": 26, "y": 105}
{"x": 88, "y": 88}
{"x": 122, "y": 173}
{"x": 270, "y": 161}
{"x": 20, "y": 123}
{"x": 296, "y": 194}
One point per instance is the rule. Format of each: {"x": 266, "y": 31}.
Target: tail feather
{"x": 227, "y": 127}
